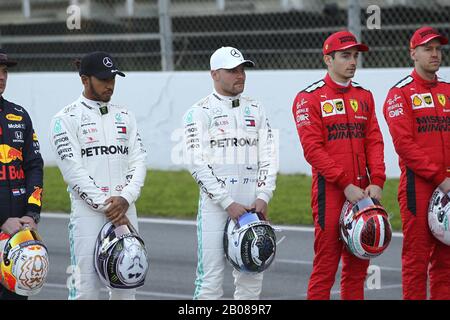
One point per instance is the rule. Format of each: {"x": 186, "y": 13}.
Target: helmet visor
{"x": 247, "y": 218}
{"x": 24, "y": 237}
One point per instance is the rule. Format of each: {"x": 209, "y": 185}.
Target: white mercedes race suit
{"x": 231, "y": 154}
{"x": 100, "y": 154}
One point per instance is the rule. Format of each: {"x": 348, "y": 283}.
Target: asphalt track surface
{"x": 172, "y": 251}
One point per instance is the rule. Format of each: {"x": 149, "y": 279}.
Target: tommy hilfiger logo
{"x": 250, "y": 122}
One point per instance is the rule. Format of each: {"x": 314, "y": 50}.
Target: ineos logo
{"x": 235, "y": 53}
{"x": 107, "y": 62}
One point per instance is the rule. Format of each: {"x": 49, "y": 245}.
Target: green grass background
{"x": 174, "y": 194}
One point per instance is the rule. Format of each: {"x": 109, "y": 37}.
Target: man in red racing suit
{"x": 417, "y": 111}
{"x": 339, "y": 133}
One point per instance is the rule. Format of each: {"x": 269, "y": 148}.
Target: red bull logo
{"x": 11, "y": 173}
{"x": 35, "y": 197}
{"x": 9, "y": 154}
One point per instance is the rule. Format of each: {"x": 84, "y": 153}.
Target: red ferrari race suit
{"x": 342, "y": 141}
{"x": 418, "y": 115}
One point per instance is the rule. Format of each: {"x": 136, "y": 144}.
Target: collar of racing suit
{"x": 229, "y": 101}
{"x": 422, "y": 81}
{"x": 336, "y": 86}
{"x": 2, "y": 102}
{"x": 93, "y": 105}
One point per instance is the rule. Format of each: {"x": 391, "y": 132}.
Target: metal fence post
{"x": 26, "y": 8}
{"x": 165, "y": 32}
{"x": 354, "y": 23}
{"x": 130, "y": 7}
{"x": 220, "y": 5}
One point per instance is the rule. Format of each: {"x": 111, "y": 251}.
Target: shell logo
{"x": 417, "y": 101}
{"x": 328, "y": 107}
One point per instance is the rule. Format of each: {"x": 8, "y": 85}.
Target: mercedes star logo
{"x": 235, "y": 53}
{"x": 107, "y": 62}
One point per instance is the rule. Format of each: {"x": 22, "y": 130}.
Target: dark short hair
{"x": 332, "y": 54}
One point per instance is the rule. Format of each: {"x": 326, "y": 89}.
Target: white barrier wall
{"x": 159, "y": 100}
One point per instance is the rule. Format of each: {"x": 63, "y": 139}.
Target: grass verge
{"x": 174, "y": 194}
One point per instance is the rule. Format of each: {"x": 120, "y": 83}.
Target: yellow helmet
{"x": 24, "y": 262}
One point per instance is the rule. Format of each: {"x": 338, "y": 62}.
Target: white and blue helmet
{"x": 250, "y": 243}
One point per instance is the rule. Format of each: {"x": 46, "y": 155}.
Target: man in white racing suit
{"x": 102, "y": 159}
{"x": 231, "y": 154}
